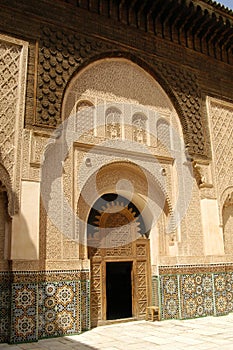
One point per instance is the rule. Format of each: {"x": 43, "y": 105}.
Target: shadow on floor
{"x": 50, "y": 344}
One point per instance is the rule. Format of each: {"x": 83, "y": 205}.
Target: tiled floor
{"x": 202, "y": 333}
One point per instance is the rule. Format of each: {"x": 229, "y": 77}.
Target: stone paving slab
{"x": 209, "y": 333}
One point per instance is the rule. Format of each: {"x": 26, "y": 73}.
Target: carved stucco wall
{"x": 220, "y": 118}
{"x": 139, "y": 89}
{"x": 64, "y": 77}
{"x": 221, "y": 114}
{"x": 107, "y": 76}
{"x": 62, "y": 53}
{"x": 191, "y": 239}
{"x": 187, "y": 246}
{"x": 100, "y": 82}
{"x": 13, "y": 67}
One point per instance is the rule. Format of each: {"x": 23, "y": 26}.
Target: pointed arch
{"x": 5, "y": 182}
{"x": 146, "y": 68}
{"x": 227, "y": 219}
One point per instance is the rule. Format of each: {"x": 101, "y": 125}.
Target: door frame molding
{"x": 141, "y": 279}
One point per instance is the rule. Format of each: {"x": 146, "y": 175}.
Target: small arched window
{"x": 139, "y": 122}
{"x": 85, "y": 117}
{"x": 227, "y": 216}
{"x": 163, "y": 132}
{"x": 113, "y": 123}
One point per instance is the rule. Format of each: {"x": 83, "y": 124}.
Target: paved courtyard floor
{"x": 202, "y": 333}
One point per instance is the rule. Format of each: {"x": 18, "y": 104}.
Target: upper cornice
{"x": 202, "y": 25}
{"x": 217, "y": 6}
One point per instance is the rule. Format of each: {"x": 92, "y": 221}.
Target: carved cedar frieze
{"x": 187, "y": 100}
{"x": 60, "y": 55}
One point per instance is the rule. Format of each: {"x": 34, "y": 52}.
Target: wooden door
{"x": 137, "y": 253}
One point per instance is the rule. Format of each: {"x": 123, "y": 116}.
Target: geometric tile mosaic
{"x": 169, "y": 293}
{"x": 55, "y": 303}
{"x": 5, "y": 297}
{"x": 196, "y": 294}
{"x": 58, "y": 308}
{"x": 23, "y": 312}
{"x": 223, "y": 287}
{"x": 43, "y": 304}
{"x": 187, "y": 295}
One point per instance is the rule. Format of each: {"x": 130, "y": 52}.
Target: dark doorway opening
{"x": 119, "y": 290}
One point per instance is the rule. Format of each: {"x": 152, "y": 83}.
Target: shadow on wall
{"x": 17, "y": 234}
{"x": 16, "y": 243}
{"x": 6, "y": 181}
{"x": 22, "y": 245}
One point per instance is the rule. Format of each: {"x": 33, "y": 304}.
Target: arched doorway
{"x": 119, "y": 253}
{"x": 227, "y": 217}
{"x": 125, "y": 144}
{"x": 5, "y": 229}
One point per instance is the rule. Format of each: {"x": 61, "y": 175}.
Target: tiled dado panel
{"x": 196, "y": 295}
{"x": 190, "y": 295}
{"x": 223, "y": 295}
{"x": 39, "y": 305}
{"x": 169, "y": 297}
{"x": 23, "y": 312}
{"x": 4, "y": 307}
{"x": 59, "y": 308}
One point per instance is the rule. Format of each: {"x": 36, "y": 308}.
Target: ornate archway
{"x": 116, "y": 235}
{"x": 5, "y": 229}
{"x": 227, "y": 219}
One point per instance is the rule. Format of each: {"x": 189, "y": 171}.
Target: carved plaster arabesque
{"x": 107, "y": 177}
{"x": 227, "y": 196}
{"x": 61, "y": 54}
{"x": 139, "y": 122}
{"x": 203, "y": 174}
{"x": 191, "y": 102}
{"x": 117, "y": 225}
{"x": 13, "y": 69}
{"x": 39, "y": 141}
{"x": 220, "y": 115}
